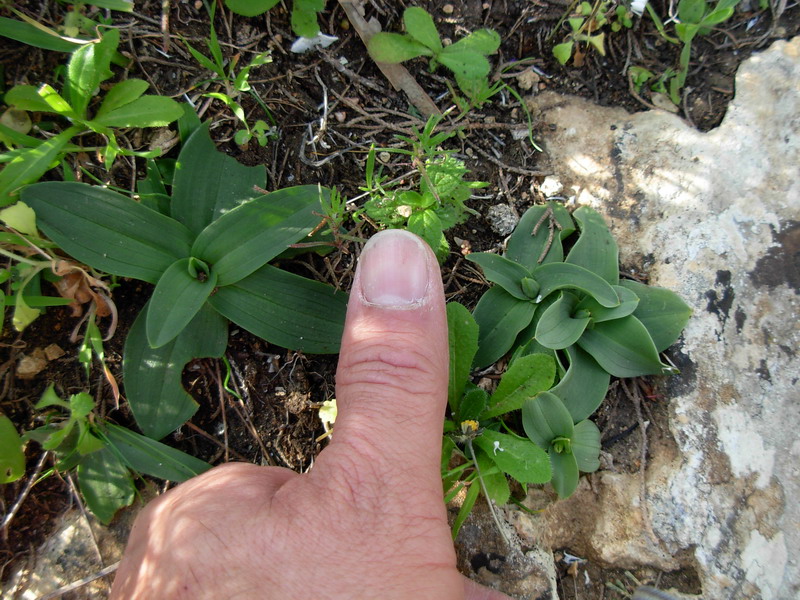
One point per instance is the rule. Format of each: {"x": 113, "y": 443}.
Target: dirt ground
{"x": 340, "y": 93}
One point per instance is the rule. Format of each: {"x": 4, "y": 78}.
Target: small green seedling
{"x": 584, "y": 25}
{"x": 466, "y": 58}
{"x": 207, "y": 256}
{"x": 124, "y": 105}
{"x": 440, "y": 202}
{"x": 475, "y": 433}
{"x": 304, "y": 13}
{"x": 235, "y": 83}
{"x": 105, "y": 456}
{"x": 695, "y": 17}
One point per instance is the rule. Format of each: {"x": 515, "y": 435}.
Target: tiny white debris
{"x": 497, "y": 447}
{"x": 551, "y": 186}
{"x": 303, "y": 44}
{"x": 638, "y": 6}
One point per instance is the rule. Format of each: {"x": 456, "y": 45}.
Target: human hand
{"x": 368, "y": 521}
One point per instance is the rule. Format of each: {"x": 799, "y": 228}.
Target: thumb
{"x": 391, "y": 384}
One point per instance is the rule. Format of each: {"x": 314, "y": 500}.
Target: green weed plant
{"x": 207, "y": 256}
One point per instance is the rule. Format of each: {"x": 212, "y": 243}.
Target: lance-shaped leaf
{"x": 153, "y": 375}
{"x": 209, "y": 183}
{"x": 482, "y": 41}
{"x": 558, "y": 276}
{"x": 628, "y": 301}
{"x": 504, "y": 272}
{"x": 526, "y": 248}
{"x": 250, "y": 235}
{"x": 106, "y": 484}
{"x": 586, "y": 446}
{"x": 176, "y": 300}
{"x": 500, "y": 318}
{"x": 473, "y": 403}
{"x": 33, "y": 36}
{"x": 149, "y": 457}
{"x": 584, "y": 386}
{"x": 147, "y": 111}
{"x": 122, "y": 93}
{"x": 462, "y": 333}
{"x": 565, "y": 473}
{"x": 557, "y": 328}
{"x": 30, "y": 164}
{"x": 250, "y": 8}
{"x": 525, "y": 378}
{"x": 596, "y": 249}
{"x": 494, "y": 479}
{"x": 623, "y": 347}
{"x": 661, "y": 311}
{"x": 88, "y": 67}
{"x": 106, "y": 230}
{"x": 545, "y": 418}
{"x": 12, "y": 457}
{"x": 285, "y": 309}
{"x": 419, "y": 25}
{"x": 520, "y": 458}
{"x": 26, "y": 97}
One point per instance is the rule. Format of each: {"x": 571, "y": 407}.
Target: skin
{"x": 368, "y": 520}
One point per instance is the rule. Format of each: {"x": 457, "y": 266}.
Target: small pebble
{"x": 448, "y": 9}
{"x": 551, "y": 186}
{"x": 502, "y": 218}
{"x": 384, "y": 157}
{"x": 340, "y": 116}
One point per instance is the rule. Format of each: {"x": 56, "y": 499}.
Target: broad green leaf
{"x": 525, "y": 378}
{"x": 106, "y": 484}
{"x": 12, "y": 457}
{"x": 395, "y": 48}
{"x": 88, "y": 67}
{"x": 565, "y": 473}
{"x": 188, "y": 123}
{"x": 21, "y": 217}
{"x": 176, "y": 300}
{"x": 427, "y": 225}
{"x": 504, "y": 272}
{"x": 526, "y": 248}
{"x": 628, "y": 301}
{"x": 153, "y": 375}
{"x": 493, "y": 479}
{"x": 624, "y": 348}
{"x": 147, "y": 111}
{"x": 482, "y": 41}
{"x": 661, "y": 311}
{"x": 473, "y": 403}
{"x": 152, "y": 183}
{"x": 248, "y": 236}
{"x": 24, "y": 314}
{"x": 121, "y": 94}
{"x": 462, "y": 333}
{"x": 559, "y": 276}
{"x": 29, "y": 165}
{"x": 80, "y": 405}
{"x": 33, "y": 36}
{"x": 304, "y": 17}
{"x": 563, "y": 52}
{"x": 544, "y": 418}
{"x": 56, "y": 102}
{"x": 691, "y": 11}
{"x": 464, "y": 62}
{"x": 584, "y": 386}
{"x": 147, "y": 456}
{"x": 209, "y": 183}
{"x": 596, "y": 249}
{"x": 557, "y": 328}
{"x": 520, "y": 458}
{"x": 473, "y": 492}
{"x": 26, "y": 97}
{"x": 716, "y": 17}
{"x": 419, "y": 25}
{"x": 586, "y": 446}
{"x": 250, "y": 8}
{"x": 108, "y": 231}
{"x": 500, "y": 318}
{"x": 285, "y": 309}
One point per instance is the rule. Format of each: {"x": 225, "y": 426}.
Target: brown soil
{"x": 276, "y": 422}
